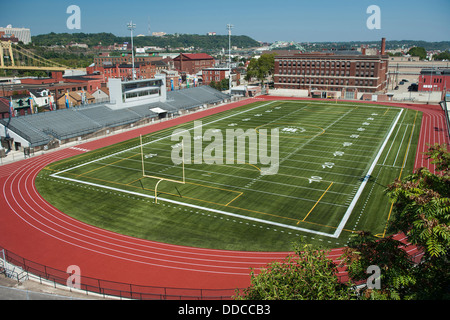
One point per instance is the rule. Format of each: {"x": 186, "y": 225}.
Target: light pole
{"x": 131, "y": 27}
{"x": 229, "y": 27}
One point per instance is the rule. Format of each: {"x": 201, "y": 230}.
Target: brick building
{"x": 218, "y": 74}
{"x": 332, "y": 71}
{"x": 215, "y": 74}
{"x": 124, "y": 71}
{"x": 126, "y": 58}
{"x": 434, "y": 80}
{"x": 192, "y": 63}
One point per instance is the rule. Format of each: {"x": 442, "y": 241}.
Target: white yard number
{"x": 328, "y": 165}
{"x": 347, "y": 144}
{"x": 338, "y": 154}
{"x": 151, "y": 155}
{"x": 315, "y": 179}
{"x": 354, "y": 136}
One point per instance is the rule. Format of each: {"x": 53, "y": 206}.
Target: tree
{"x": 442, "y": 56}
{"x": 418, "y": 52}
{"x": 307, "y": 275}
{"x": 421, "y": 211}
{"x": 261, "y": 68}
{"x": 422, "y": 205}
{"x": 365, "y": 250}
{"x": 213, "y": 84}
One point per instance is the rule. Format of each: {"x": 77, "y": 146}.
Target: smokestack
{"x": 181, "y": 61}
{"x": 383, "y": 46}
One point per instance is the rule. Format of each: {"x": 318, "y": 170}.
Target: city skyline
{"x": 288, "y": 20}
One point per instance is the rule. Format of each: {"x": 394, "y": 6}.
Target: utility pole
{"x": 131, "y": 27}
{"x": 229, "y": 27}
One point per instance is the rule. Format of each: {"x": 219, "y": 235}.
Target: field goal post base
{"x": 160, "y": 179}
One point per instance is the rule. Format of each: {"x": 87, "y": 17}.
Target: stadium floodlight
{"x": 131, "y": 26}
{"x": 229, "y": 27}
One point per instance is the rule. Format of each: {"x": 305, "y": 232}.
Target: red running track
{"x": 32, "y": 228}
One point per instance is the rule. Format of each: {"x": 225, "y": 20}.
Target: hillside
{"x": 168, "y": 41}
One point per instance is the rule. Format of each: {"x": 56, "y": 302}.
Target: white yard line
{"x": 352, "y": 205}
{"x": 200, "y": 207}
{"x": 159, "y": 139}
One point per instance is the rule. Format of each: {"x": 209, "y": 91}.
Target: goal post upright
{"x": 160, "y": 179}
{"x": 142, "y": 157}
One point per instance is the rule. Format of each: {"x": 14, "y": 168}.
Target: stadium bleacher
{"x": 39, "y": 129}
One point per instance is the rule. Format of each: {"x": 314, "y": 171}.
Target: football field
{"x": 322, "y": 178}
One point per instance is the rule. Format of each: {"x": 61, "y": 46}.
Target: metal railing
{"x": 107, "y": 288}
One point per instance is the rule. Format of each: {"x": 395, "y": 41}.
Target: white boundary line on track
{"x": 352, "y": 205}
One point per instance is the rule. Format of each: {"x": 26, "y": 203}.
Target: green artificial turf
{"x": 325, "y": 151}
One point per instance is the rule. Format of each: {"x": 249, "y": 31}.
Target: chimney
{"x": 181, "y": 61}
{"x": 383, "y": 46}
{"x": 363, "y": 50}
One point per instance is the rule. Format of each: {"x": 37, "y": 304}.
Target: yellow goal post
{"x": 160, "y": 179}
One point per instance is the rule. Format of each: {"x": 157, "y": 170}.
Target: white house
{"x": 101, "y": 95}
{"x": 42, "y": 97}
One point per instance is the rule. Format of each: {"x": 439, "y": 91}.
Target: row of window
{"x": 435, "y": 80}
{"x": 294, "y": 86}
{"x": 358, "y": 73}
{"x": 216, "y": 78}
{"x": 62, "y": 91}
{"x": 116, "y": 60}
{"x": 338, "y": 64}
{"x": 315, "y": 72}
{"x": 129, "y": 95}
{"x": 210, "y": 72}
{"x": 325, "y": 81}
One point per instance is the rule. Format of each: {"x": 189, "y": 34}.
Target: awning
{"x": 158, "y": 110}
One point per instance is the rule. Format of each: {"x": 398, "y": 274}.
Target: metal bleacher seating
{"x": 39, "y": 129}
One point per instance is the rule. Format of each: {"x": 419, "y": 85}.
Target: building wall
{"x": 117, "y": 92}
{"x": 128, "y": 58}
{"x": 331, "y": 72}
{"x": 22, "y": 34}
{"x": 192, "y": 66}
{"x": 144, "y": 71}
{"x": 434, "y": 82}
{"x": 216, "y": 75}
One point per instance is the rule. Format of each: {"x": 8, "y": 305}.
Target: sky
{"x": 262, "y": 20}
